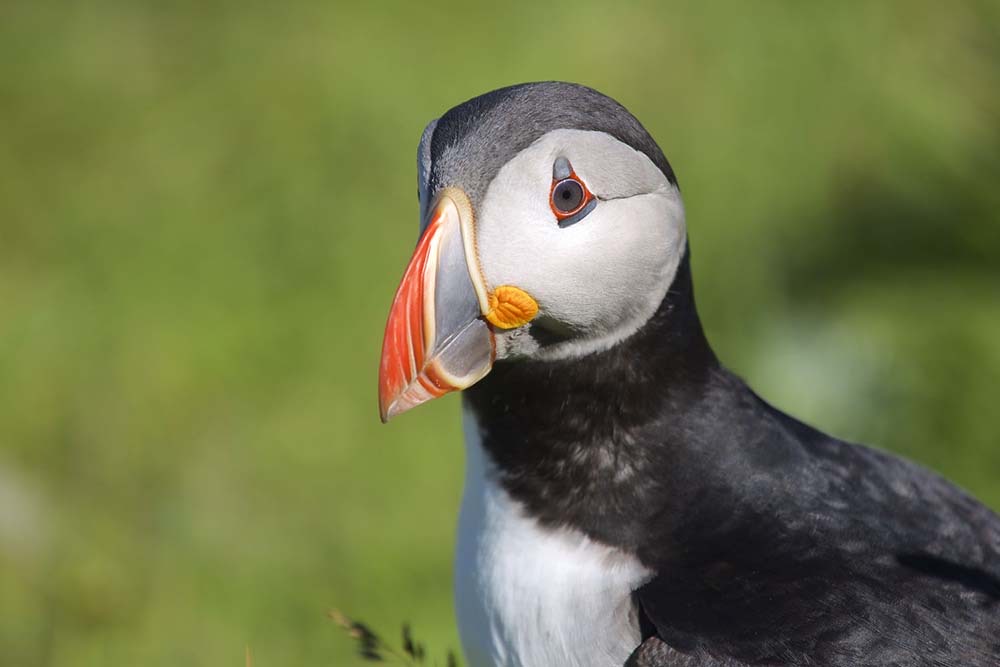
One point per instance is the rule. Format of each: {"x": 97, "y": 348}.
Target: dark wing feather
{"x": 654, "y": 652}
{"x": 834, "y": 555}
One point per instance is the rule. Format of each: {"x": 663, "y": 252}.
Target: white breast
{"x": 528, "y": 596}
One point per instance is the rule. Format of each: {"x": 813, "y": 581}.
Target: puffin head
{"x": 551, "y": 227}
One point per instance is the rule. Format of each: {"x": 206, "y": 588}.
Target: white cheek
{"x": 602, "y": 277}
{"x": 595, "y": 273}
{"x": 614, "y": 266}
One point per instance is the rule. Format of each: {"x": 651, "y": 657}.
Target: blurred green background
{"x": 205, "y": 208}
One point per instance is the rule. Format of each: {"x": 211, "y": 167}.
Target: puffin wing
{"x": 654, "y": 652}
{"x": 848, "y": 557}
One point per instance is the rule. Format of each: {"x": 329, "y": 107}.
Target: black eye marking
{"x": 579, "y": 215}
{"x": 561, "y": 169}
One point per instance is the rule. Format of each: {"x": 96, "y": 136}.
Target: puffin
{"x": 628, "y": 500}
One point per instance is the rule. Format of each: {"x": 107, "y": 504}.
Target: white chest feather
{"x": 528, "y": 596}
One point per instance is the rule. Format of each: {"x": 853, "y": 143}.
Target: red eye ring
{"x": 568, "y": 196}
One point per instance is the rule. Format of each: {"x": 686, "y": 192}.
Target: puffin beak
{"x": 436, "y": 339}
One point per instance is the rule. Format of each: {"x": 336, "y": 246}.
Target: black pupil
{"x": 568, "y": 195}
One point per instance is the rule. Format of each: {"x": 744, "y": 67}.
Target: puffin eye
{"x": 567, "y": 195}
{"x": 569, "y": 198}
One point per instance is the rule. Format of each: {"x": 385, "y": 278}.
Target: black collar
{"x": 585, "y": 442}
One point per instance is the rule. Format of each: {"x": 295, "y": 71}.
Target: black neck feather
{"x": 585, "y": 442}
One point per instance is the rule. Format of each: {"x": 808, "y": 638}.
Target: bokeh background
{"x": 205, "y": 208}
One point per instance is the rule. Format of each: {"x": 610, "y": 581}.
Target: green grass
{"x": 204, "y": 211}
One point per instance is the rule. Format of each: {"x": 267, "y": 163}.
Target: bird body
{"x": 628, "y": 500}
{"x": 516, "y": 580}
{"x": 767, "y": 542}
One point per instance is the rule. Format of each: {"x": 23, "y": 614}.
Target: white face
{"x": 598, "y": 280}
